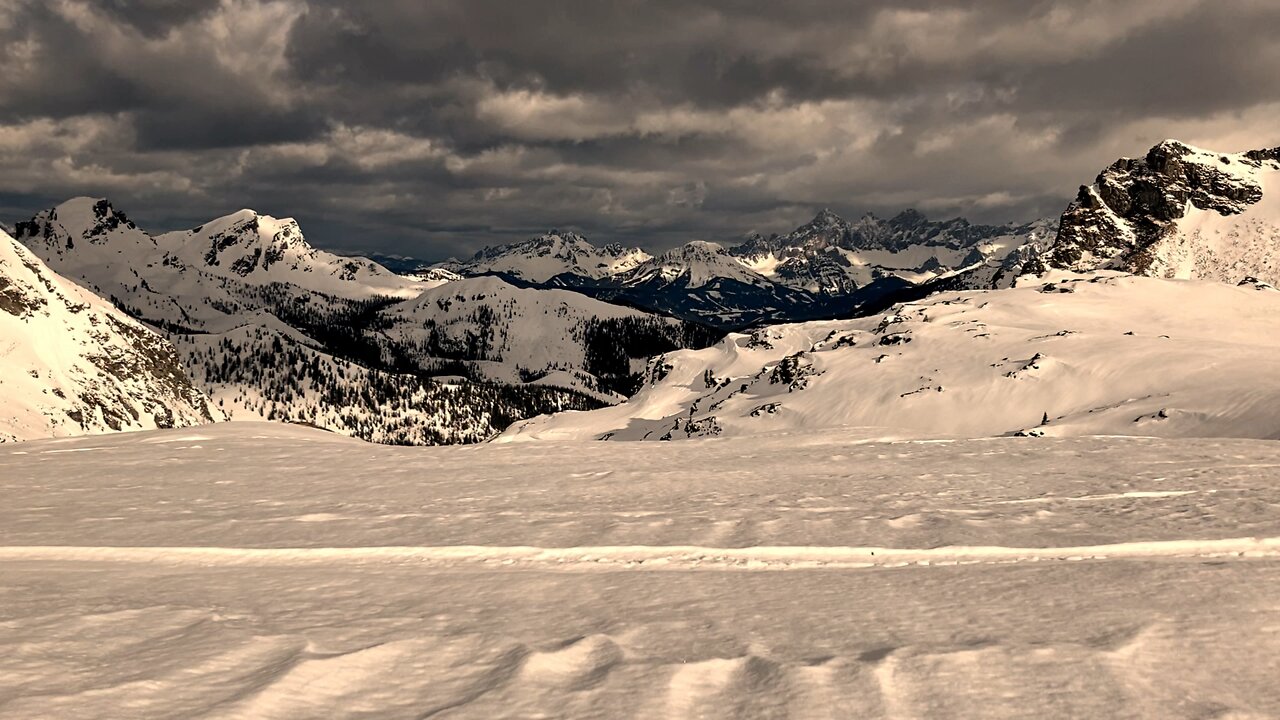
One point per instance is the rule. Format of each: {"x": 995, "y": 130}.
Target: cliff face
{"x": 71, "y": 364}
{"x": 1179, "y": 211}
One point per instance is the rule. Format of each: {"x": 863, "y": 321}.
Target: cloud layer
{"x": 432, "y": 128}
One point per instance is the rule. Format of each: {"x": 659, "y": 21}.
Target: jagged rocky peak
{"x": 246, "y": 241}
{"x": 1155, "y": 215}
{"x": 80, "y": 219}
{"x": 826, "y": 218}
{"x": 825, "y": 230}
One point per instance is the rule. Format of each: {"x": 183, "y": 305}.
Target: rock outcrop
{"x": 71, "y": 364}
{"x": 1178, "y": 211}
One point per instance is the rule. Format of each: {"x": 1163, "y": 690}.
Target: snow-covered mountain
{"x": 828, "y": 267}
{"x": 91, "y": 238}
{"x": 833, "y": 257}
{"x": 260, "y": 249}
{"x": 71, "y": 364}
{"x": 546, "y": 256}
{"x": 1178, "y": 212}
{"x": 433, "y": 277}
{"x": 1065, "y": 355}
{"x": 545, "y": 336}
{"x": 692, "y": 265}
{"x": 273, "y": 328}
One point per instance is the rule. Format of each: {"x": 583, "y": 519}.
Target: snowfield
{"x": 253, "y": 570}
{"x": 1067, "y": 354}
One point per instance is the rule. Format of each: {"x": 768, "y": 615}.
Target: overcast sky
{"x": 433, "y": 127}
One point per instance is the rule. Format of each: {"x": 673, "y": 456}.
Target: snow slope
{"x": 512, "y": 329}
{"x": 71, "y": 364}
{"x": 267, "y": 571}
{"x": 1067, "y": 355}
{"x": 274, "y": 329}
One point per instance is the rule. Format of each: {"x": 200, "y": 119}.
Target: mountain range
{"x": 271, "y": 328}
{"x": 240, "y": 317}
{"x": 827, "y": 267}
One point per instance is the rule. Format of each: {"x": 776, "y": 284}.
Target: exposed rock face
{"x": 1163, "y": 215}
{"x": 71, "y": 364}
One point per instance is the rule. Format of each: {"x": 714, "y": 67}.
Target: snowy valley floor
{"x": 267, "y": 571}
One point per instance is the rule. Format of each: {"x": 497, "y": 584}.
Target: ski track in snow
{"x": 644, "y": 557}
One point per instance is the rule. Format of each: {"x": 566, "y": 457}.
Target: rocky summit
{"x": 1178, "y": 211}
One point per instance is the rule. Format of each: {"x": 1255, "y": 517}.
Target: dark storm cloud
{"x": 433, "y": 127}
{"x": 157, "y": 17}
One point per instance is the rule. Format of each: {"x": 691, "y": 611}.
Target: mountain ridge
{"x": 275, "y": 329}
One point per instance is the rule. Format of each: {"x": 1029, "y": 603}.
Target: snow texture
{"x": 246, "y": 570}
{"x": 1065, "y": 354}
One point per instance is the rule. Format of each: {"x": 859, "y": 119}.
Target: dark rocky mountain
{"x": 1178, "y": 211}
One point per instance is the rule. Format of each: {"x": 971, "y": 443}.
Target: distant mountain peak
{"x": 909, "y": 218}
{"x": 556, "y": 252}
{"x": 826, "y": 216}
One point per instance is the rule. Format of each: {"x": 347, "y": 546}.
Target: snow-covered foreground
{"x": 267, "y": 571}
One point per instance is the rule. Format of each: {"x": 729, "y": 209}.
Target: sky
{"x": 431, "y": 128}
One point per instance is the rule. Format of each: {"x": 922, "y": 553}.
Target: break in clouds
{"x": 432, "y": 128}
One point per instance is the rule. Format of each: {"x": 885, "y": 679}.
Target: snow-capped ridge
{"x": 542, "y": 258}
{"x": 83, "y": 234}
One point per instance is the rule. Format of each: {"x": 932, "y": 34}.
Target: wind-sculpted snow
{"x": 1062, "y": 355}
{"x": 269, "y": 571}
